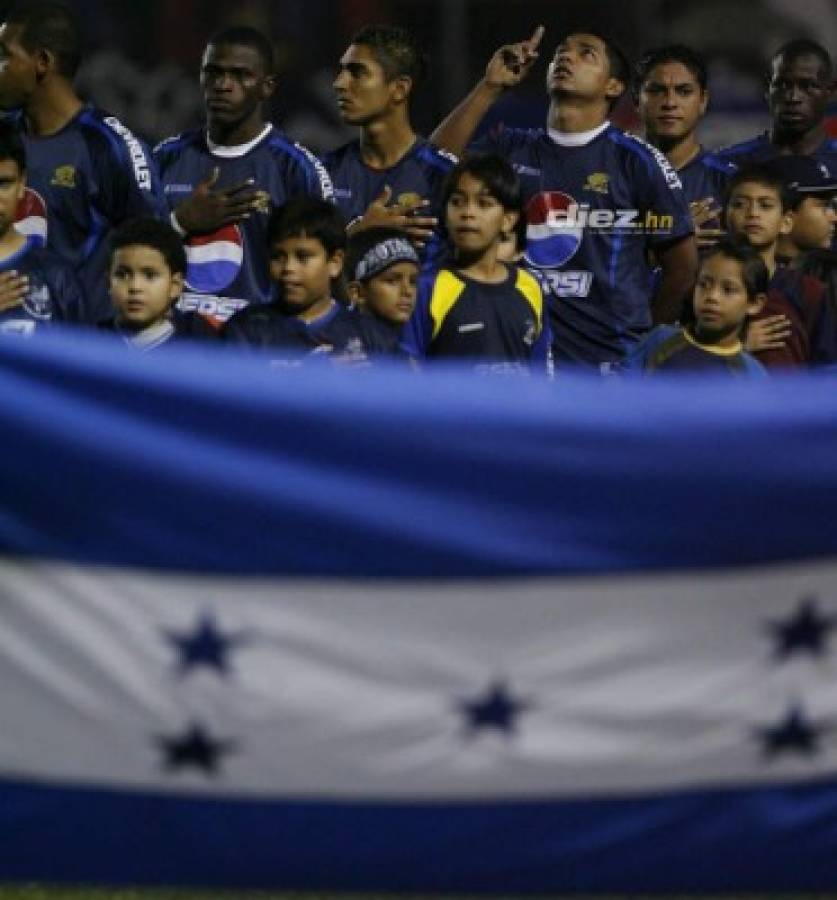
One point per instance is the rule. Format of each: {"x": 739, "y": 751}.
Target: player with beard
{"x": 800, "y": 86}
{"x": 597, "y": 200}
{"x": 221, "y": 181}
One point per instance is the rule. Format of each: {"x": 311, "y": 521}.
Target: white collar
{"x": 232, "y": 151}
{"x": 576, "y": 138}
{"x": 149, "y": 337}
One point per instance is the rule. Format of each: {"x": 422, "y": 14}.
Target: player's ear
{"x": 269, "y": 85}
{"x": 45, "y": 63}
{"x": 354, "y": 289}
{"x": 704, "y": 102}
{"x": 786, "y": 225}
{"x": 614, "y": 89}
{"x": 176, "y": 286}
{"x": 402, "y": 87}
{"x": 510, "y": 218}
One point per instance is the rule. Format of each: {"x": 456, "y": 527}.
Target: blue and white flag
{"x": 366, "y": 630}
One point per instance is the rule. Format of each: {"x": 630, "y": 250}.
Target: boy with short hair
{"x": 731, "y": 285}
{"x": 383, "y": 269}
{"x": 479, "y": 308}
{"x": 36, "y": 287}
{"x": 147, "y": 274}
{"x": 307, "y": 241}
{"x": 759, "y": 208}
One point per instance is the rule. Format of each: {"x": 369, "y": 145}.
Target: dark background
{"x": 142, "y": 58}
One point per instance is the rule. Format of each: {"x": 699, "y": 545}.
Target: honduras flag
{"x": 367, "y": 630}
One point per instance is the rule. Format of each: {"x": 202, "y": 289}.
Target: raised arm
{"x": 506, "y": 69}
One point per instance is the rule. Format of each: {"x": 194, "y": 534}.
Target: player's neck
{"x": 801, "y": 144}
{"x": 681, "y": 153}
{"x": 317, "y": 309}
{"x": 237, "y": 133}
{"x": 483, "y": 267}
{"x": 383, "y": 144}
{"x": 768, "y": 254}
{"x": 572, "y": 115}
{"x": 51, "y": 109}
{"x": 10, "y": 242}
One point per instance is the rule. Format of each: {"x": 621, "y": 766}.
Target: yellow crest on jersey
{"x": 64, "y": 176}
{"x": 409, "y": 200}
{"x": 262, "y": 202}
{"x": 598, "y": 182}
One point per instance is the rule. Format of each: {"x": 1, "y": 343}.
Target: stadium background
{"x": 142, "y": 58}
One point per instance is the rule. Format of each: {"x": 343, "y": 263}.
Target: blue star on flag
{"x": 496, "y": 709}
{"x": 796, "y": 733}
{"x": 196, "y": 749}
{"x": 805, "y": 631}
{"x": 205, "y": 646}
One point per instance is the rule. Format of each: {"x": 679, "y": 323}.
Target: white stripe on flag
{"x": 359, "y": 689}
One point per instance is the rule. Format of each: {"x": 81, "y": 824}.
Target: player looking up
{"x": 597, "y": 200}
{"x": 221, "y": 181}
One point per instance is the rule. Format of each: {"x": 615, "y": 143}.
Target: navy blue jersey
{"x": 420, "y": 172}
{"x": 342, "y": 331}
{"x": 594, "y": 211}
{"x": 676, "y": 350}
{"x": 760, "y": 149}
{"x": 228, "y": 268}
{"x": 459, "y": 318}
{"x": 706, "y": 176}
{"x": 54, "y": 295}
{"x": 82, "y": 182}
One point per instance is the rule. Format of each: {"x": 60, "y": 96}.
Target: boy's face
{"x": 12, "y": 187}
{"x": 754, "y": 211}
{"x": 142, "y": 286}
{"x": 671, "y": 102}
{"x": 581, "y": 68}
{"x": 475, "y": 218}
{"x": 813, "y": 223}
{"x": 304, "y": 270}
{"x": 392, "y": 294}
{"x": 720, "y": 300}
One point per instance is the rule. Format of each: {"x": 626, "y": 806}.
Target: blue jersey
{"x": 82, "y": 182}
{"x": 594, "y": 211}
{"x": 228, "y": 268}
{"x": 420, "y": 172}
{"x": 54, "y": 294}
{"x": 676, "y": 350}
{"x": 760, "y": 149}
{"x": 706, "y": 176}
{"x": 459, "y": 318}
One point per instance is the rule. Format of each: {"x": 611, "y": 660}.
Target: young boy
{"x": 759, "y": 209}
{"x": 731, "y": 285}
{"x": 307, "y": 239}
{"x": 480, "y": 308}
{"x": 36, "y": 287}
{"x": 147, "y": 273}
{"x": 383, "y": 269}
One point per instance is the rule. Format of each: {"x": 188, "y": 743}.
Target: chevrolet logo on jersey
{"x": 64, "y": 176}
{"x": 599, "y": 182}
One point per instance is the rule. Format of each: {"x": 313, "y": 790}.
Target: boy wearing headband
{"x": 383, "y": 270}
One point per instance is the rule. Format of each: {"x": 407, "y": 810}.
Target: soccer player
{"x": 799, "y": 89}
{"x": 478, "y": 308}
{"x": 671, "y": 95}
{"x": 731, "y": 286}
{"x": 221, "y": 181}
{"x": 383, "y": 269}
{"x": 597, "y": 200}
{"x": 307, "y": 241}
{"x": 86, "y": 171}
{"x": 38, "y": 289}
{"x": 389, "y": 176}
{"x": 147, "y": 271}
{"x": 759, "y": 209}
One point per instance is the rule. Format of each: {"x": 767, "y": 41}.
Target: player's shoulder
{"x": 94, "y": 121}
{"x": 433, "y": 156}
{"x": 283, "y": 147}
{"x": 526, "y": 281}
{"x": 177, "y": 143}
{"x": 744, "y": 149}
{"x": 709, "y": 159}
{"x": 636, "y": 148}
{"x": 345, "y": 153}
